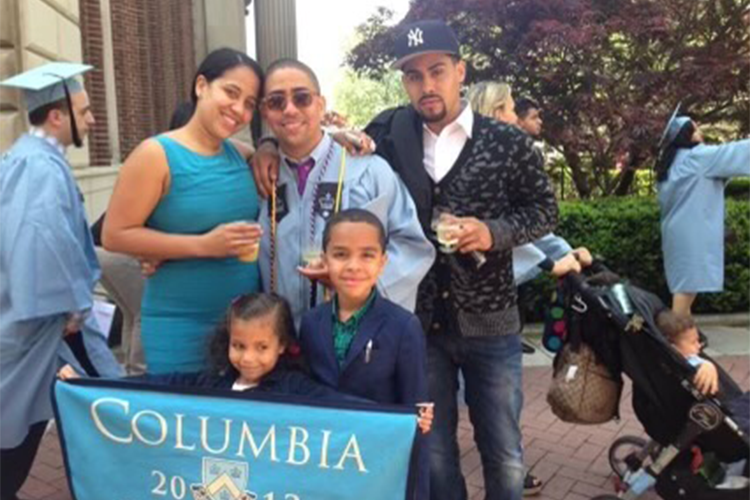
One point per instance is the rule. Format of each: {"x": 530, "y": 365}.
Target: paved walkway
{"x": 570, "y": 459}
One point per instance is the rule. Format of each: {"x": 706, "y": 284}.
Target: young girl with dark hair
{"x": 187, "y": 200}
{"x": 249, "y": 353}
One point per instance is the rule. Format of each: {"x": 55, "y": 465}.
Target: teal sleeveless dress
{"x": 185, "y": 299}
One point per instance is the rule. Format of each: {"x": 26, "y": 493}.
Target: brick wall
{"x": 154, "y": 64}
{"x": 174, "y": 60}
{"x": 93, "y": 53}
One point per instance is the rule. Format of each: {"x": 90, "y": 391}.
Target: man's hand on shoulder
{"x": 355, "y": 142}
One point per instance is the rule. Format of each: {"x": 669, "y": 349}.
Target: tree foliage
{"x": 626, "y": 233}
{"x": 359, "y": 98}
{"x": 607, "y": 72}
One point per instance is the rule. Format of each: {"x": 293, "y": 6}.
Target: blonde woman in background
{"x": 493, "y": 99}
{"x": 549, "y": 253}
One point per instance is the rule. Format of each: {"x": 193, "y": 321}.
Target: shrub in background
{"x": 626, "y": 233}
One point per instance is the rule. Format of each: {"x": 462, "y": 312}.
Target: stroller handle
{"x": 578, "y": 281}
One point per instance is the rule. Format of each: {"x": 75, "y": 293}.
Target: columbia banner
{"x": 125, "y": 441}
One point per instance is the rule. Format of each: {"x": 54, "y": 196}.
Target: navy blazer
{"x": 394, "y": 371}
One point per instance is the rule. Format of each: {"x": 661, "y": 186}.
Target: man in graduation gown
{"x": 312, "y": 176}
{"x": 48, "y": 267}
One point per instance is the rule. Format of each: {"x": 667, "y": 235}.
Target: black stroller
{"x": 675, "y": 415}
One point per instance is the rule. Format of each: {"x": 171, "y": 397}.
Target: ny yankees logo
{"x": 415, "y": 37}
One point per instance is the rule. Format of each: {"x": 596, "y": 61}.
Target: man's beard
{"x": 432, "y": 118}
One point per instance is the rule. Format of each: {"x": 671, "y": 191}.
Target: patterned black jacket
{"x": 499, "y": 179}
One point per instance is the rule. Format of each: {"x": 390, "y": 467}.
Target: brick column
{"x": 93, "y": 53}
{"x": 154, "y": 63}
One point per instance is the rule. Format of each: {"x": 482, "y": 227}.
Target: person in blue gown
{"x": 186, "y": 198}
{"x": 48, "y": 267}
{"x": 691, "y": 179}
{"x": 315, "y": 175}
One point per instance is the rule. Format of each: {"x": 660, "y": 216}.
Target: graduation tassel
{"x": 337, "y": 205}
{"x": 273, "y": 238}
{"x": 340, "y": 186}
{"x": 77, "y": 141}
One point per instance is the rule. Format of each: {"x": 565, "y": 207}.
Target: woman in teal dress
{"x": 178, "y": 200}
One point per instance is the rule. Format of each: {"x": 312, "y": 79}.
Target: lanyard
{"x": 337, "y": 208}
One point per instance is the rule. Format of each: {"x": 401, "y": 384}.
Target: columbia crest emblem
{"x": 416, "y": 37}
{"x": 223, "y": 480}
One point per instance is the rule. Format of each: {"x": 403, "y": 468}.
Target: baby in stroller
{"x": 684, "y": 415}
{"x": 680, "y": 330}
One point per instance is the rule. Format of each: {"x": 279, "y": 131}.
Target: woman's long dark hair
{"x": 213, "y": 66}
{"x": 219, "y": 62}
{"x": 247, "y": 307}
{"x": 684, "y": 140}
{"x": 182, "y": 115}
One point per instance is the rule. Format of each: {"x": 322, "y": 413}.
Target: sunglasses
{"x": 278, "y": 102}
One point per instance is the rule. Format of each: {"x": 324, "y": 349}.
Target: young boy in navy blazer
{"x": 361, "y": 343}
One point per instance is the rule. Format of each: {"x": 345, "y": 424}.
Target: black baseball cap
{"x": 424, "y": 37}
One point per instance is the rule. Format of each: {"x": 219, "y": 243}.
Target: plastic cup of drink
{"x": 447, "y": 235}
{"x": 311, "y": 258}
{"x": 249, "y": 254}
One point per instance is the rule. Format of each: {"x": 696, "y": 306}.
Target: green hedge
{"x": 626, "y": 233}
{"x": 739, "y": 188}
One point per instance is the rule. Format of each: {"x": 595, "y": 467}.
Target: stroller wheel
{"x": 624, "y": 452}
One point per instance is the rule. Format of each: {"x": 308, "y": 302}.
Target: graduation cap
{"x": 50, "y": 83}
{"x": 674, "y": 125}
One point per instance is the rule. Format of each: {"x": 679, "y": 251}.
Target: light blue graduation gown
{"x": 369, "y": 183}
{"x": 692, "y": 214}
{"x": 48, "y": 269}
{"x": 526, "y": 258}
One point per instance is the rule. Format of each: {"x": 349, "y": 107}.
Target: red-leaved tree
{"x": 607, "y": 72}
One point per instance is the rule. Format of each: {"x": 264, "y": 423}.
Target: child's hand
{"x": 426, "y": 416}
{"x": 707, "y": 379}
{"x": 67, "y": 373}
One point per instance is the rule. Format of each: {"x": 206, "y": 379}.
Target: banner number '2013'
{"x": 176, "y": 488}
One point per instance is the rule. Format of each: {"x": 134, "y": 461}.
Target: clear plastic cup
{"x": 249, "y": 254}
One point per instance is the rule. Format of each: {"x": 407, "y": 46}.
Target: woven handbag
{"x": 583, "y": 391}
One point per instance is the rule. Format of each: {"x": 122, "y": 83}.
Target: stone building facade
{"x": 144, "y": 53}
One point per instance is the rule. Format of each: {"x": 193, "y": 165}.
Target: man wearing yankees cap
{"x": 485, "y": 178}
{"x": 488, "y": 177}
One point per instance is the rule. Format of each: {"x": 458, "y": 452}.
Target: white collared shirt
{"x": 39, "y": 132}
{"x": 441, "y": 151}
